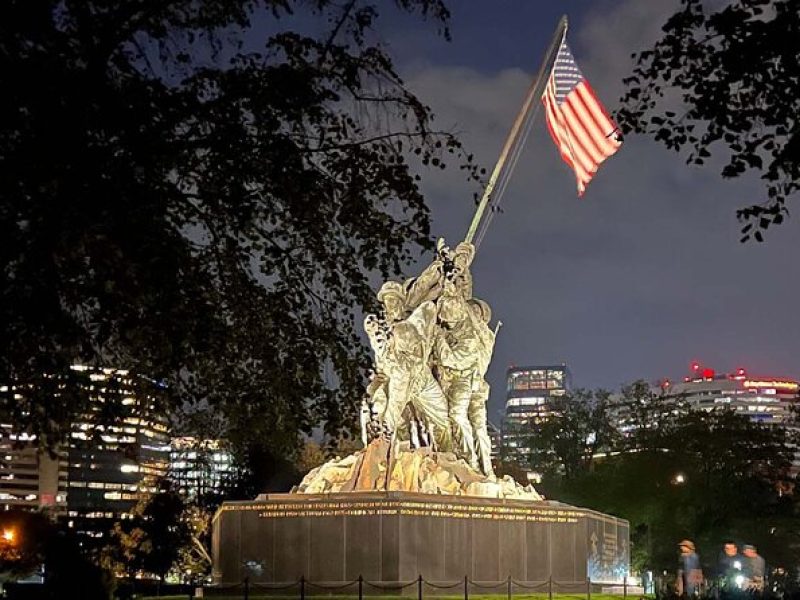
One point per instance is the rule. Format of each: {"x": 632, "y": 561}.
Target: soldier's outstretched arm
{"x": 427, "y": 286}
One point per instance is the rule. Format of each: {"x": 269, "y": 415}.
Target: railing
{"x": 361, "y": 588}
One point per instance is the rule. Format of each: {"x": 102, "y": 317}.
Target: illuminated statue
{"x": 402, "y": 374}
{"x": 480, "y": 389}
{"x": 462, "y": 355}
{"x": 431, "y": 353}
{"x": 461, "y": 277}
{"x": 456, "y": 361}
{"x": 424, "y": 414}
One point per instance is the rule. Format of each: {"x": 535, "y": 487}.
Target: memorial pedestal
{"x": 399, "y": 536}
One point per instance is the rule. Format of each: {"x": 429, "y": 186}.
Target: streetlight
{"x": 8, "y": 546}
{"x": 679, "y": 479}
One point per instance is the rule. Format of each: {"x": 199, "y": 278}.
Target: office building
{"x": 200, "y": 468}
{"x": 30, "y": 478}
{"x": 114, "y": 452}
{"x": 118, "y": 450}
{"x": 762, "y": 398}
{"x": 530, "y": 394}
{"x": 766, "y": 399}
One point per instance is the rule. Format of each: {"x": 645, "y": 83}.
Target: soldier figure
{"x": 456, "y": 363}
{"x": 432, "y": 349}
{"x": 482, "y": 314}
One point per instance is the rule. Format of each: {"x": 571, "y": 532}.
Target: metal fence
{"x": 361, "y": 588}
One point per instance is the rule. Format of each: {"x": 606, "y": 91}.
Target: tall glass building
{"x": 114, "y": 452}
{"x": 529, "y": 401}
{"x": 118, "y": 449}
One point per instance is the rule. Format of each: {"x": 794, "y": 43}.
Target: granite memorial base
{"x": 399, "y": 536}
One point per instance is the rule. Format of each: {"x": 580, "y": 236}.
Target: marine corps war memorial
{"x": 420, "y": 501}
{"x": 419, "y": 508}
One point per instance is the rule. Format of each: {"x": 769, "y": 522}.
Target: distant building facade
{"x": 115, "y": 452}
{"x": 114, "y": 462}
{"x": 530, "y": 392}
{"x": 764, "y": 399}
{"x": 200, "y": 468}
{"x": 30, "y": 478}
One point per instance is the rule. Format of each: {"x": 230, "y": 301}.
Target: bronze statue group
{"x": 432, "y": 344}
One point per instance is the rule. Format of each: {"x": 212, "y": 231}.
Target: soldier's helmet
{"x": 390, "y": 288}
{"x": 482, "y": 308}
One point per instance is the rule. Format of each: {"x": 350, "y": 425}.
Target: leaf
{"x": 731, "y": 65}
{"x": 214, "y": 225}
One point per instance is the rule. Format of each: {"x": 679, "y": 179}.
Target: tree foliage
{"x": 675, "y": 473}
{"x": 153, "y": 540}
{"x": 194, "y": 559}
{"x": 578, "y": 429}
{"x": 200, "y": 191}
{"x": 726, "y": 77}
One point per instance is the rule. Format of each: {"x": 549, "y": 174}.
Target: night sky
{"x": 642, "y": 275}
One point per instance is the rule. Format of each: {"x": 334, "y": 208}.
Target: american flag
{"x": 578, "y": 123}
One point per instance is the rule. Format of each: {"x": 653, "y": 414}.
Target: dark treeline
{"x": 673, "y": 473}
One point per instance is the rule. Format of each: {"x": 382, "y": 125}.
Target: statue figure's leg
{"x": 483, "y": 444}
{"x": 396, "y": 401}
{"x": 459, "y": 393}
{"x": 431, "y": 405}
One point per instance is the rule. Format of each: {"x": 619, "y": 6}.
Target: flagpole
{"x": 534, "y": 93}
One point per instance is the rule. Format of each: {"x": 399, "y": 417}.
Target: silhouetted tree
{"x": 578, "y": 428}
{"x": 33, "y": 543}
{"x": 725, "y": 77}
{"x": 200, "y": 191}
{"x": 701, "y": 475}
{"x": 153, "y": 539}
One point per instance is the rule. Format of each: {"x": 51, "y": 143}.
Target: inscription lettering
{"x": 410, "y": 508}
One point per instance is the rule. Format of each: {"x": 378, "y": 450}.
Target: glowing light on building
{"x": 792, "y": 386}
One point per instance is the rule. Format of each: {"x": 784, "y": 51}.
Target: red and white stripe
{"x": 580, "y": 127}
